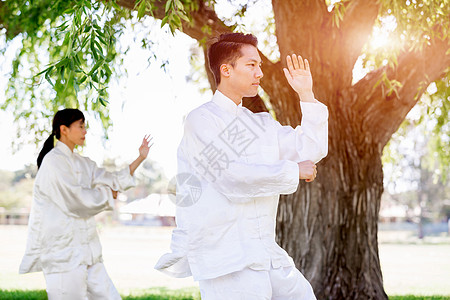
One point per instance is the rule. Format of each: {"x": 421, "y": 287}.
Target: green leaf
{"x": 115, "y": 5}
{"x": 94, "y": 77}
{"x": 61, "y": 72}
{"x": 103, "y": 101}
{"x": 76, "y": 87}
{"x": 95, "y": 67}
{"x": 176, "y": 21}
{"x": 179, "y": 5}
{"x": 99, "y": 48}
{"x": 141, "y": 9}
{"x": 62, "y": 62}
{"x": 184, "y": 17}
{"x": 107, "y": 69}
{"x": 84, "y": 42}
{"x": 168, "y": 5}
{"x": 164, "y": 20}
{"x": 66, "y": 38}
{"x": 83, "y": 79}
{"x": 94, "y": 51}
{"x": 69, "y": 11}
{"x": 42, "y": 72}
{"x": 102, "y": 39}
{"x": 47, "y": 77}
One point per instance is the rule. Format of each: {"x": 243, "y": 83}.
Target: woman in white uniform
{"x": 69, "y": 191}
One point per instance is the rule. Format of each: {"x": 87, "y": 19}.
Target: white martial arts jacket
{"x": 69, "y": 191}
{"x": 233, "y": 165}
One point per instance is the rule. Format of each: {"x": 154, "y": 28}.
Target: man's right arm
{"x": 232, "y": 175}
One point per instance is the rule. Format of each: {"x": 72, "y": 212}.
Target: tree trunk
{"x": 330, "y": 226}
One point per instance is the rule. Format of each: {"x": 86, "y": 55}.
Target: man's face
{"x": 246, "y": 72}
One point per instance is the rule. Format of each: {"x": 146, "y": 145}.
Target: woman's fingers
{"x": 147, "y": 139}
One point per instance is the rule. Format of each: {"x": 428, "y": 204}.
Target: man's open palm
{"x": 298, "y": 74}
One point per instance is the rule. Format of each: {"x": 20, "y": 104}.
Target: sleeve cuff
{"x": 125, "y": 180}
{"x": 110, "y": 200}
{"x": 314, "y": 112}
{"x": 292, "y": 176}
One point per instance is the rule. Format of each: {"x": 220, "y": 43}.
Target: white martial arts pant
{"x": 276, "y": 284}
{"x": 84, "y": 282}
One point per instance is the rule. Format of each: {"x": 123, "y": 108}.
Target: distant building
{"x": 154, "y": 210}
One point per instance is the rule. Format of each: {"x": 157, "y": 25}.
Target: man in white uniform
{"x": 242, "y": 162}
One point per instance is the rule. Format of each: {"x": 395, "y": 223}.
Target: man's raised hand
{"x": 299, "y": 77}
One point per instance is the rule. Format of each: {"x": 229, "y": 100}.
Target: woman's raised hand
{"x": 145, "y": 146}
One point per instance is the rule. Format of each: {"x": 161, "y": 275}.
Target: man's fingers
{"x": 308, "y": 170}
{"x": 289, "y": 63}
{"x": 300, "y": 63}
{"x": 295, "y": 62}
{"x": 307, "y": 65}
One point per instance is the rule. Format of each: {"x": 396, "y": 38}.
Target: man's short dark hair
{"x": 226, "y": 48}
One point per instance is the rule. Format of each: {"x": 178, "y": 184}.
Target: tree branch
{"x": 381, "y": 113}
{"x": 355, "y": 30}
{"x": 205, "y": 15}
{"x": 308, "y": 29}
{"x": 305, "y": 17}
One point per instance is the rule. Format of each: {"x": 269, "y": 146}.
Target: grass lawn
{"x": 165, "y": 294}
{"x": 412, "y": 297}
{"x": 421, "y": 269}
{"x": 148, "y": 294}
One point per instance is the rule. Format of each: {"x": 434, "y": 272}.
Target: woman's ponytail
{"x": 48, "y": 145}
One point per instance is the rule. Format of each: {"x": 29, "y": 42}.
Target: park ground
{"x": 409, "y": 266}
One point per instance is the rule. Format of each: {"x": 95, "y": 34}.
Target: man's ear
{"x": 225, "y": 70}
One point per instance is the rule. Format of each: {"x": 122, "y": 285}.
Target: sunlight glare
{"x": 379, "y": 39}
{"x": 381, "y": 35}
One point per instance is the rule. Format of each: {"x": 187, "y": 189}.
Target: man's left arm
{"x": 310, "y": 140}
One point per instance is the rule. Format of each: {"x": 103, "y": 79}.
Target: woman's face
{"x": 75, "y": 134}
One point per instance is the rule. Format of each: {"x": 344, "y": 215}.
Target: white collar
{"x": 64, "y": 148}
{"x": 226, "y": 103}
